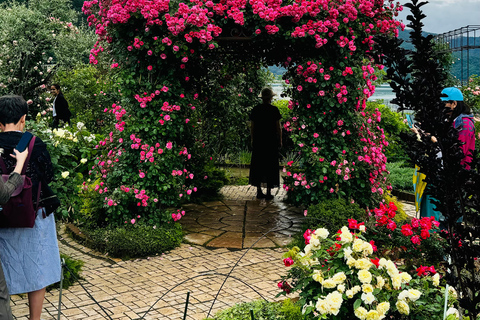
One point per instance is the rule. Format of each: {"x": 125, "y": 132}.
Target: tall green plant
{"x": 417, "y": 79}
{"x": 36, "y": 39}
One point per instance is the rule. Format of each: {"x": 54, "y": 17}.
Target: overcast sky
{"x": 447, "y": 15}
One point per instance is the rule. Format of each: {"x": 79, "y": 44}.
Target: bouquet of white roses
{"x": 340, "y": 279}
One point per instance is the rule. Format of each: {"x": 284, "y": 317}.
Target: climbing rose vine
{"x": 162, "y": 49}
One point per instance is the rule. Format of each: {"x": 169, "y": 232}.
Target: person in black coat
{"x": 266, "y": 135}
{"x": 60, "y": 106}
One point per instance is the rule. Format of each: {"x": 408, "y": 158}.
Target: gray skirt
{"x": 30, "y": 256}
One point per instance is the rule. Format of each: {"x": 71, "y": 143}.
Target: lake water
{"x": 383, "y": 92}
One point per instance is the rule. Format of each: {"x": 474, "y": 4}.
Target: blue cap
{"x": 453, "y": 94}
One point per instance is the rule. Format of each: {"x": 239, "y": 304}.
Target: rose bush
{"x": 72, "y": 150}
{"x": 163, "y": 53}
{"x": 340, "y": 277}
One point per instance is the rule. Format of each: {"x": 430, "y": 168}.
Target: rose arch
{"x": 171, "y": 59}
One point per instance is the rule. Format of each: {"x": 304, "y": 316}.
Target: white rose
{"x": 453, "y": 311}
{"x": 65, "y": 174}
{"x": 83, "y": 160}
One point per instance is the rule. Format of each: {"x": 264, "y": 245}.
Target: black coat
{"x": 61, "y": 108}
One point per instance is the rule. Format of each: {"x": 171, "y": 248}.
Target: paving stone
{"x": 128, "y": 289}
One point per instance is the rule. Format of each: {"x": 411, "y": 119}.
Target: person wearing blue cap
{"x": 463, "y": 121}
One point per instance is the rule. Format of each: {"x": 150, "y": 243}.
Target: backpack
{"x": 19, "y": 211}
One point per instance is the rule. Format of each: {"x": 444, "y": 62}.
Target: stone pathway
{"x": 239, "y": 224}
{"x": 128, "y": 289}
{"x": 218, "y": 233}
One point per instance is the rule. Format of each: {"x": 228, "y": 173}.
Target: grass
{"x": 400, "y": 177}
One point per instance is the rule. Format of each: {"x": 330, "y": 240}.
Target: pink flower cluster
{"x": 177, "y": 216}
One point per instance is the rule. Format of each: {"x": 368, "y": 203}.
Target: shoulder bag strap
{"x": 30, "y": 149}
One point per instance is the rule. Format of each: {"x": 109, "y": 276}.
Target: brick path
{"x": 127, "y": 289}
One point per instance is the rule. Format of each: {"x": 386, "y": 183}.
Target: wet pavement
{"x": 239, "y": 224}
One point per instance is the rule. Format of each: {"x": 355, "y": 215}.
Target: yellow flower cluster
{"x": 330, "y": 304}
{"x": 356, "y": 253}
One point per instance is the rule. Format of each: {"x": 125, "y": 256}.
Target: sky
{"x": 447, "y": 15}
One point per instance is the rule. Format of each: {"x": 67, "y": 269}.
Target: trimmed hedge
{"x": 135, "y": 241}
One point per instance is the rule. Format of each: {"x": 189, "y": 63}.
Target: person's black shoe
{"x": 260, "y": 196}
{"x": 269, "y": 197}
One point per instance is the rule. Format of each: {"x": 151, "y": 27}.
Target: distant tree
{"x": 36, "y": 40}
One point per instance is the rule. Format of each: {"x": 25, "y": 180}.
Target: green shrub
{"x": 71, "y": 273}
{"x": 400, "y": 177}
{"x": 285, "y": 111}
{"x": 264, "y": 310}
{"x": 135, "y": 240}
{"x": 209, "y": 188}
{"x": 332, "y": 215}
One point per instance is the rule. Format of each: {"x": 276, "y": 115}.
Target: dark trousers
{"x": 5, "y": 310}
{"x": 56, "y": 122}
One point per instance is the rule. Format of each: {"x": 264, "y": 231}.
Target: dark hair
{"x": 57, "y": 86}
{"x": 12, "y": 108}
{"x": 461, "y": 107}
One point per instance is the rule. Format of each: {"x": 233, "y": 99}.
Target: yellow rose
{"x": 83, "y": 160}
{"x": 363, "y": 264}
{"x": 361, "y": 313}
{"x": 341, "y": 288}
{"x": 317, "y": 276}
{"x": 351, "y": 262}
{"x": 322, "y": 233}
{"x": 367, "y": 248}
{"x": 380, "y": 282}
{"x": 65, "y": 174}
{"x": 321, "y": 306}
{"x": 339, "y": 277}
{"x": 357, "y": 245}
{"x": 364, "y": 276}
{"x": 402, "y": 307}
{"x": 349, "y": 293}
{"x": 329, "y": 283}
{"x": 397, "y": 281}
{"x": 367, "y": 288}
{"x": 373, "y": 315}
{"x": 414, "y": 294}
{"x": 335, "y": 299}
{"x": 383, "y": 308}
{"x": 406, "y": 277}
{"x": 346, "y": 235}
{"x": 436, "y": 280}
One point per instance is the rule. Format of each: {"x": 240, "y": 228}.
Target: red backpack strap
{"x": 30, "y": 149}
